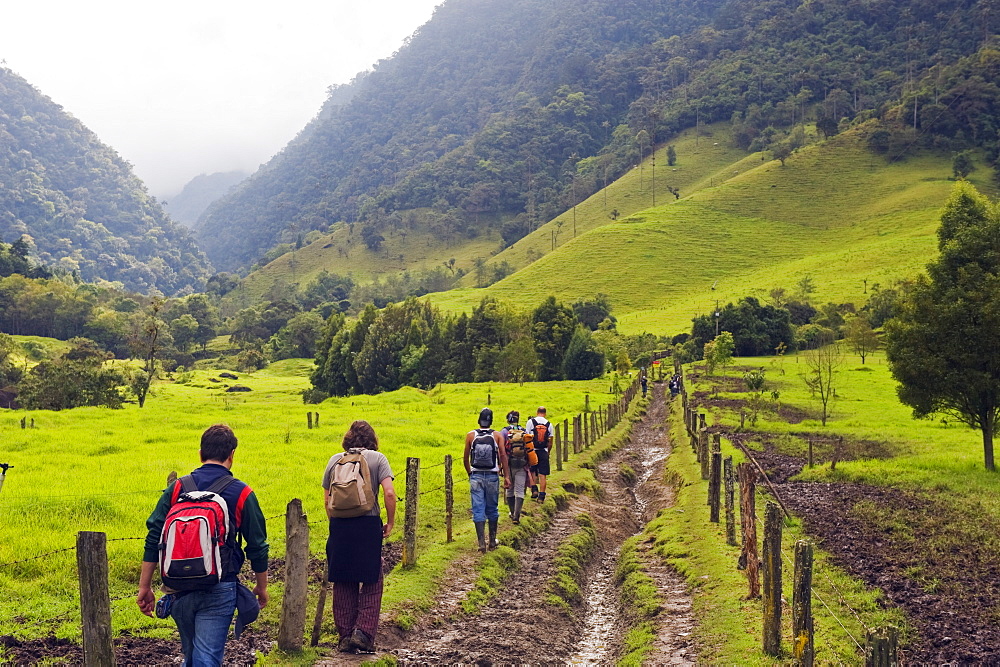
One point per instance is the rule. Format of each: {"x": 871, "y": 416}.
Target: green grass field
{"x": 938, "y": 460}
{"x": 833, "y": 212}
{"x": 99, "y": 469}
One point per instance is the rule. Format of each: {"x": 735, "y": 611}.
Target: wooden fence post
{"x": 586, "y": 431}
{"x": 703, "y": 453}
{"x": 559, "y": 453}
{"x": 318, "y": 620}
{"x": 565, "y": 436}
{"x": 316, "y": 419}
{"x": 410, "y": 520}
{"x": 771, "y": 552}
{"x": 95, "y": 600}
{"x": 715, "y": 484}
{"x": 594, "y": 437}
{"x": 449, "y": 497}
{"x": 730, "y": 502}
{"x": 577, "y": 435}
{"x": 748, "y": 521}
{"x": 802, "y": 617}
{"x": 291, "y": 631}
{"x": 309, "y": 420}
{"x": 586, "y": 402}
{"x": 810, "y": 453}
{"x": 882, "y": 647}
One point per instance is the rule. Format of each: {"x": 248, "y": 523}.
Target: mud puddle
{"x": 603, "y": 615}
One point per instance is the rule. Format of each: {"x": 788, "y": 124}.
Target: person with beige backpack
{"x": 351, "y": 484}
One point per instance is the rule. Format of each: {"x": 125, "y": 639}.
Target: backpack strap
{"x": 182, "y": 485}
{"x": 220, "y": 484}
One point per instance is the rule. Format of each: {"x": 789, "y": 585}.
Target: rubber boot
{"x": 481, "y": 535}
{"x": 510, "y": 506}
{"x": 518, "y": 502}
{"x": 541, "y": 497}
{"x": 534, "y": 492}
{"x": 493, "y": 534}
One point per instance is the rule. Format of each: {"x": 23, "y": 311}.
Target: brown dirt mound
{"x": 929, "y": 559}
{"x": 130, "y": 650}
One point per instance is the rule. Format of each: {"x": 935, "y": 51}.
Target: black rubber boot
{"x": 481, "y": 535}
{"x": 510, "y": 506}
{"x": 518, "y": 502}
{"x": 541, "y": 497}
{"x": 534, "y": 491}
{"x": 493, "y": 534}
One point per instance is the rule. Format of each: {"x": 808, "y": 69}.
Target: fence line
{"x": 879, "y": 648}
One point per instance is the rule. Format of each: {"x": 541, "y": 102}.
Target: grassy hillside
{"x": 834, "y": 212}
{"x": 702, "y": 161}
{"x": 343, "y": 252}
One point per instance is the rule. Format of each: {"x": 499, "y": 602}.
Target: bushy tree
{"x": 583, "y": 360}
{"x": 77, "y": 378}
{"x": 552, "y": 327}
{"x": 298, "y": 338}
{"x": 757, "y": 329}
{"x": 942, "y": 345}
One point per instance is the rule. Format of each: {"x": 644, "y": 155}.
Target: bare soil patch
{"x": 938, "y": 562}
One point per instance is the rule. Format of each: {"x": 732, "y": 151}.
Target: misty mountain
{"x": 187, "y": 205}
{"x": 517, "y": 109}
{"x": 79, "y": 202}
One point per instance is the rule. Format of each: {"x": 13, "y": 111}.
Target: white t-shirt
{"x": 530, "y": 428}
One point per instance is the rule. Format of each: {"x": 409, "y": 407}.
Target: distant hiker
{"x": 520, "y": 457}
{"x": 675, "y": 385}
{"x": 541, "y": 432}
{"x": 354, "y": 549}
{"x": 485, "y": 458}
{"x": 643, "y": 382}
{"x": 202, "y": 591}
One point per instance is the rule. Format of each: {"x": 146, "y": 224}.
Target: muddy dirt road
{"x": 517, "y": 626}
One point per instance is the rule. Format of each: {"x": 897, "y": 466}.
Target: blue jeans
{"x": 485, "y": 487}
{"x": 203, "y": 619}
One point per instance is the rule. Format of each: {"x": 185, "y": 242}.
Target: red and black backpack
{"x": 198, "y": 543}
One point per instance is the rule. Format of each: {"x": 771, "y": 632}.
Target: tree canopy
{"x": 942, "y": 344}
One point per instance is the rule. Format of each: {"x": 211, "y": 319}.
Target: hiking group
{"x": 207, "y": 524}
{"x": 519, "y": 454}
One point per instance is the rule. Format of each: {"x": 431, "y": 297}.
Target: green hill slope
{"x": 422, "y": 244}
{"x": 80, "y": 203}
{"x": 833, "y": 212}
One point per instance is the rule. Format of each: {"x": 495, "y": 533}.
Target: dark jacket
{"x": 249, "y": 524}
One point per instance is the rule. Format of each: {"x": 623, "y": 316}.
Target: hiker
{"x": 485, "y": 458}
{"x": 520, "y": 457}
{"x": 541, "y": 435}
{"x": 202, "y": 599}
{"x": 643, "y": 382}
{"x": 354, "y": 549}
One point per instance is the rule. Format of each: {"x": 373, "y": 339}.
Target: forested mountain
{"x": 520, "y": 108}
{"x": 187, "y": 205}
{"x": 80, "y": 204}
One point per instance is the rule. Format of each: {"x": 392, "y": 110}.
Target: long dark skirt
{"x": 354, "y": 549}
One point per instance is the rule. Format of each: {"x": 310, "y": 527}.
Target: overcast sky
{"x": 186, "y": 87}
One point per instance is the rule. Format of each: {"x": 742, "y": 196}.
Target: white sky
{"x": 184, "y": 87}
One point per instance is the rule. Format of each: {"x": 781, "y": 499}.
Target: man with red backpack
{"x": 541, "y": 432}
{"x": 192, "y": 537}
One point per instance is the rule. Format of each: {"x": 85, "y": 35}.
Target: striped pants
{"x": 357, "y": 605}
